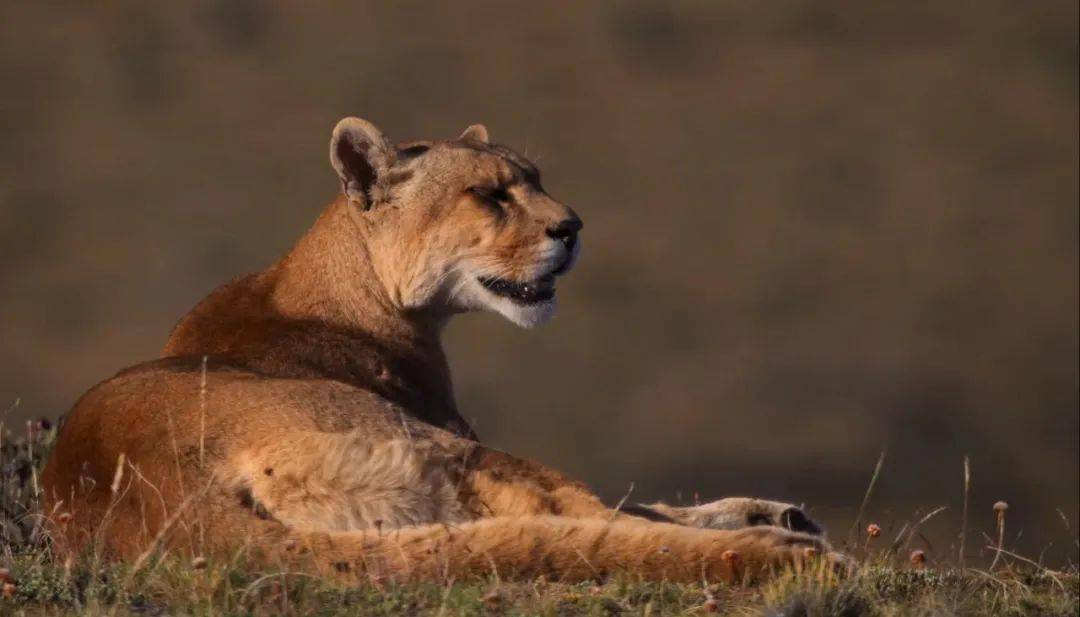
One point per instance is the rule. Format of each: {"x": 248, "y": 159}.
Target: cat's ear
{"x": 476, "y": 132}
{"x": 361, "y": 155}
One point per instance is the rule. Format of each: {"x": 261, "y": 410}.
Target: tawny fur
{"x": 557, "y": 547}
{"x": 306, "y": 411}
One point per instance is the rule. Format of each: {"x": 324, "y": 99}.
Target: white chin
{"x": 523, "y": 315}
{"x": 474, "y": 297}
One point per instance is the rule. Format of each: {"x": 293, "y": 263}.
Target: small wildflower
{"x": 918, "y": 558}
{"x": 199, "y": 563}
{"x": 1000, "y": 508}
{"x": 872, "y": 530}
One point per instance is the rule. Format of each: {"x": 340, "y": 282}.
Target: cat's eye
{"x": 495, "y": 194}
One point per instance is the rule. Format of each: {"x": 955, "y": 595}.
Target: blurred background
{"x": 814, "y": 230}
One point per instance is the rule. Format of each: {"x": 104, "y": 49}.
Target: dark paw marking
{"x": 756, "y": 519}
{"x": 796, "y": 520}
{"x": 645, "y": 513}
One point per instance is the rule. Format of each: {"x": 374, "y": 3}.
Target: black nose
{"x": 566, "y": 231}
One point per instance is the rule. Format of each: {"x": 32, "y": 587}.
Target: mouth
{"x": 530, "y": 292}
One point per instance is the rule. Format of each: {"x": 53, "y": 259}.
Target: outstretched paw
{"x": 732, "y": 513}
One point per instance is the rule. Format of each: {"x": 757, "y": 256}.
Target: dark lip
{"x": 564, "y": 268}
{"x": 528, "y": 292}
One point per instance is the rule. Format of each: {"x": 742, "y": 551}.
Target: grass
{"x": 887, "y": 583}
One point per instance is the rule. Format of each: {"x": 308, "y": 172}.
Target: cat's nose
{"x": 566, "y": 231}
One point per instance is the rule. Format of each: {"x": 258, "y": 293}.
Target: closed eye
{"x": 490, "y": 193}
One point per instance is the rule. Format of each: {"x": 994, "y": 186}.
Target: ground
{"x": 888, "y": 581}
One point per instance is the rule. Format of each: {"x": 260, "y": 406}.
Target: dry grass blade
{"x": 173, "y": 519}
{"x": 1054, "y": 575}
{"x": 622, "y": 502}
{"x": 202, "y": 413}
{"x": 964, "y": 514}
{"x": 866, "y": 500}
{"x": 1068, "y": 528}
{"x": 912, "y": 530}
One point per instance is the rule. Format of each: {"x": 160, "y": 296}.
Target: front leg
{"x": 504, "y": 485}
{"x": 731, "y": 513}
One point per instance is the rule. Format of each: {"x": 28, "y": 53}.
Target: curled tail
{"x": 560, "y": 548}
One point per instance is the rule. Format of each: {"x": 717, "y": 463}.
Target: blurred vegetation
{"x": 174, "y": 587}
{"x": 814, "y": 229}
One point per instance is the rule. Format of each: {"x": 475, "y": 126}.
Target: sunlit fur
{"x": 433, "y": 239}
{"x": 305, "y": 413}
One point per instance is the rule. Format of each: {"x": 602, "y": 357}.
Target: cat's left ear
{"x": 476, "y": 132}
